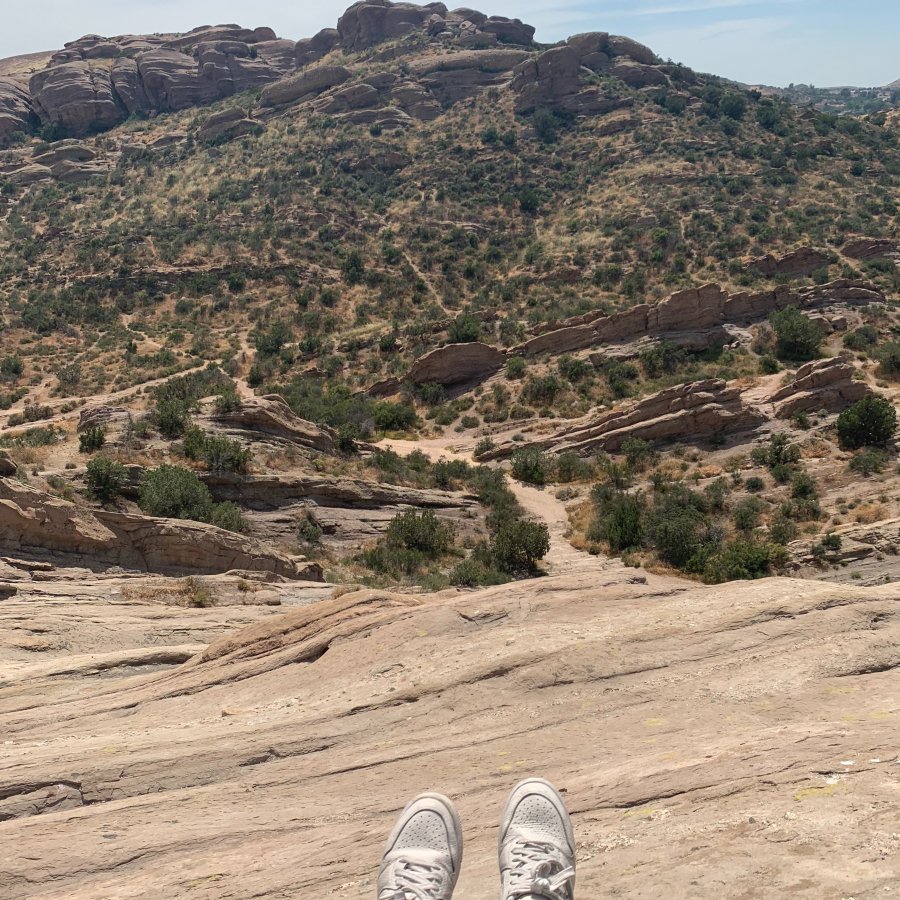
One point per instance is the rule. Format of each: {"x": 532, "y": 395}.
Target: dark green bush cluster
{"x": 870, "y": 422}
{"x": 91, "y": 439}
{"x": 676, "y": 523}
{"x": 531, "y": 465}
{"x": 218, "y": 453}
{"x": 798, "y": 338}
{"x": 177, "y": 398}
{"x": 105, "y": 479}
{"x": 174, "y": 492}
{"x": 413, "y": 539}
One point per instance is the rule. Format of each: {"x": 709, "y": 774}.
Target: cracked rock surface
{"x": 731, "y": 741}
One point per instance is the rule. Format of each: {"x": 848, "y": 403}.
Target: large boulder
{"x": 823, "y": 384}
{"x": 871, "y": 248}
{"x": 370, "y": 22}
{"x": 802, "y": 261}
{"x": 77, "y": 97}
{"x": 270, "y": 415}
{"x": 307, "y": 84}
{"x": 226, "y": 125}
{"x": 312, "y": 49}
{"x": 616, "y": 45}
{"x": 509, "y": 31}
{"x": 16, "y": 110}
{"x": 171, "y": 82}
{"x": 456, "y": 364}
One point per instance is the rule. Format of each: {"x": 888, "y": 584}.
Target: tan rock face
{"x": 16, "y": 109}
{"x": 34, "y": 522}
{"x": 456, "y": 364}
{"x": 270, "y": 415}
{"x": 695, "y": 311}
{"x": 670, "y": 714}
{"x": 871, "y": 248}
{"x": 822, "y": 384}
{"x": 803, "y": 261}
{"x": 686, "y": 412}
{"x": 226, "y": 125}
{"x": 307, "y": 84}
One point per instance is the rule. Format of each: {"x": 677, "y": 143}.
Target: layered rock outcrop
{"x": 16, "y": 109}
{"x": 456, "y": 364}
{"x": 823, "y": 384}
{"x": 226, "y": 125}
{"x": 37, "y": 523}
{"x": 307, "y": 84}
{"x": 687, "y": 315}
{"x": 871, "y": 248}
{"x": 271, "y": 416}
{"x": 686, "y": 412}
{"x": 803, "y": 261}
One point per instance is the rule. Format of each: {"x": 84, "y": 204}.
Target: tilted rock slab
{"x": 803, "y": 261}
{"x": 34, "y": 522}
{"x": 456, "y": 364}
{"x": 670, "y": 713}
{"x": 685, "y": 412}
{"x": 270, "y": 415}
{"x": 823, "y": 384}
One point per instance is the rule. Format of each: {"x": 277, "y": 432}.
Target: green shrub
{"x": 173, "y": 492}
{"x": 870, "y": 422}
{"x": 517, "y": 547}
{"x": 769, "y": 365}
{"x": 91, "y": 439}
{"x": 798, "y": 338}
{"x": 422, "y": 532}
{"x": 679, "y": 529}
{"x": 571, "y": 467}
{"x": 226, "y": 515}
{"x": 754, "y": 484}
{"x": 515, "y": 367}
{"x": 638, "y": 453}
{"x": 105, "y": 479}
{"x": 619, "y": 521}
{"x": 747, "y": 514}
{"x": 862, "y": 338}
{"x": 889, "y": 360}
{"x": 530, "y": 466}
{"x": 464, "y": 329}
{"x": 171, "y": 417}
{"x": 389, "y": 416}
{"x": 11, "y": 367}
{"x": 869, "y": 461}
{"x": 782, "y": 530}
{"x": 477, "y": 571}
{"x": 218, "y": 453}
{"x": 541, "y": 390}
{"x": 483, "y": 447}
{"x": 742, "y": 559}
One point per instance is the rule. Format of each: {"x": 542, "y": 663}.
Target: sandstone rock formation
{"x": 226, "y": 125}
{"x": 687, "y": 315}
{"x": 670, "y": 713}
{"x": 16, "y": 110}
{"x": 803, "y": 261}
{"x": 822, "y": 384}
{"x": 307, "y": 84}
{"x": 38, "y": 524}
{"x": 100, "y": 417}
{"x": 456, "y": 364}
{"x": 871, "y": 248}
{"x": 686, "y": 412}
{"x": 271, "y": 416}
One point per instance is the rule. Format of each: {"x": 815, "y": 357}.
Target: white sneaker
{"x": 423, "y": 853}
{"x": 537, "y": 845}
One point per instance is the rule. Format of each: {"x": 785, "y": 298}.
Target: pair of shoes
{"x": 537, "y": 848}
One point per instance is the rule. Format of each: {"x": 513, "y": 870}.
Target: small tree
{"x": 870, "y": 422}
{"x": 91, "y": 439}
{"x": 530, "y": 466}
{"x": 173, "y": 492}
{"x": 518, "y": 546}
{"x": 105, "y": 479}
{"x": 798, "y": 337}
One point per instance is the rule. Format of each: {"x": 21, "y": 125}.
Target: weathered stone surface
{"x": 307, "y": 84}
{"x": 369, "y": 23}
{"x": 239, "y": 748}
{"x": 823, "y": 384}
{"x": 312, "y": 49}
{"x": 34, "y": 522}
{"x": 616, "y": 45}
{"x": 77, "y": 97}
{"x": 270, "y": 415}
{"x": 803, "y": 261}
{"x": 638, "y": 75}
{"x": 871, "y": 248}
{"x": 262, "y": 492}
{"x": 686, "y": 412}
{"x": 16, "y": 109}
{"x": 456, "y": 364}
{"x": 509, "y": 31}
{"x": 129, "y": 86}
{"x": 692, "y": 310}
{"x": 29, "y": 174}
{"x": 226, "y": 125}
{"x": 100, "y": 417}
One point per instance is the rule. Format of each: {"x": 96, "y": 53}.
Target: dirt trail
{"x": 540, "y": 503}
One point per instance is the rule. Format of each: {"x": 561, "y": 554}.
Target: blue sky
{"x": 823, "y": 42}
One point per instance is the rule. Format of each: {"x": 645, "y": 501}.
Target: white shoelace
{"x": 415, "y": 881}
{"x": 537, "y": 872}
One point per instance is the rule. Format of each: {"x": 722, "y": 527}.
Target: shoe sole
{"x": 544, "y": 789}
{"x": 451, "y": 820}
